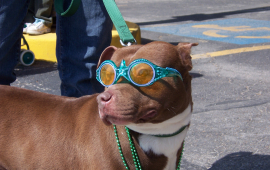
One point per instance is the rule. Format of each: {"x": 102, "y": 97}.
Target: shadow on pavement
{"x": 38, "y": 67}
{"x": 195, "y": 75}
{"x": 146, "y": 41}
{"x": 202, "y": 17}
{"x": 242, "y": 161}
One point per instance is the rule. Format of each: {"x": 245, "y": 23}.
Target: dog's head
{"x": 124, "y": 103}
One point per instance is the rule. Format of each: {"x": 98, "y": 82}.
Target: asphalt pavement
{"x": 230, "y": 127}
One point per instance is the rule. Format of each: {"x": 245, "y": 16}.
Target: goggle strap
{"x": 173, "y": 72}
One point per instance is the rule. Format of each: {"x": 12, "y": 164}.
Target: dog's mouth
{"x": 148, "y": 116}
{"x": 109, "y": 120}
{"x": 125, "y": 119}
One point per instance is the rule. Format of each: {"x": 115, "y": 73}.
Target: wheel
{"x": 27, "y": 57}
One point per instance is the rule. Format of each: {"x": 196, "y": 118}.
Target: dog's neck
{"x": 167, "y": 146}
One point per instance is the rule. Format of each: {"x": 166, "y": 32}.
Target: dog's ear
{"x": 106, "y": 54}
{"x": 184, "y": 52}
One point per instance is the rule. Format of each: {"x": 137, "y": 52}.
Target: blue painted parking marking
{"x": 236, "y": 31}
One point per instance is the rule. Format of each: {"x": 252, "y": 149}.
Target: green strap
{"x": 73, "y": 7}
{"x": 125, "y": 35}
{"x": 126, "y": 38}
{"x": 173, "y": 134}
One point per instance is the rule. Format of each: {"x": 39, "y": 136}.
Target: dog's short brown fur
{"x": 43, "y": 131}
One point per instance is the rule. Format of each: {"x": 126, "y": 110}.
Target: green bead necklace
{"x": 134, "y": 152}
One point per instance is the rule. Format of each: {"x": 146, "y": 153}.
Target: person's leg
{"x": 43, "y": 18}
{"x": 30, "y": 16}
{"x": 44, "y": 11}
{"x": 81, "y": 39}
{"x": 12, "y": 14}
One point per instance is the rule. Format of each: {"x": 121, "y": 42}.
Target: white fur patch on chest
{"x": 167, "y": 146}
{"x": 164, "y": 146}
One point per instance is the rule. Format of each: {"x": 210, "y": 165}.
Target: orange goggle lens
{"x": 107, "y": 74}
{"x": 141, "y": 73}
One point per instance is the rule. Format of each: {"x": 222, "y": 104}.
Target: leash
{"x": 126, "y": 38}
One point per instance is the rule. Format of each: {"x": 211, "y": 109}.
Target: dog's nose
{"x": 102, "y": 100}
{"x": 104, "y": 97}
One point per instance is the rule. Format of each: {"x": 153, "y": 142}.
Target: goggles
{"x": 140, "y": 72}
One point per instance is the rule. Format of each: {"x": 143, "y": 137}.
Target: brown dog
{"x": 43, "y": 131}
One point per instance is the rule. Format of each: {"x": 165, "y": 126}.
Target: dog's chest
{"x": 163, "y": 146}
{"x": 167, "y": 146}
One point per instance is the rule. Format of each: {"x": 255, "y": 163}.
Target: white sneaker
{"x": 26, "y": 25}
{"x": 38, "y": 27}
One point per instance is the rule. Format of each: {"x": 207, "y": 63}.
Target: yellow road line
{"x": 231, "y": 51}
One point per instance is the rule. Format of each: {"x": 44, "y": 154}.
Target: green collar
{"x": 173, "y": 134}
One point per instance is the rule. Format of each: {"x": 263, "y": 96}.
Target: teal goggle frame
{"x": 124, "y": 71}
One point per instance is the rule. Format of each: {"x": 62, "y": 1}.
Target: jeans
{"x": 12, "y": 13}
{"x": 81, "y": 39}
